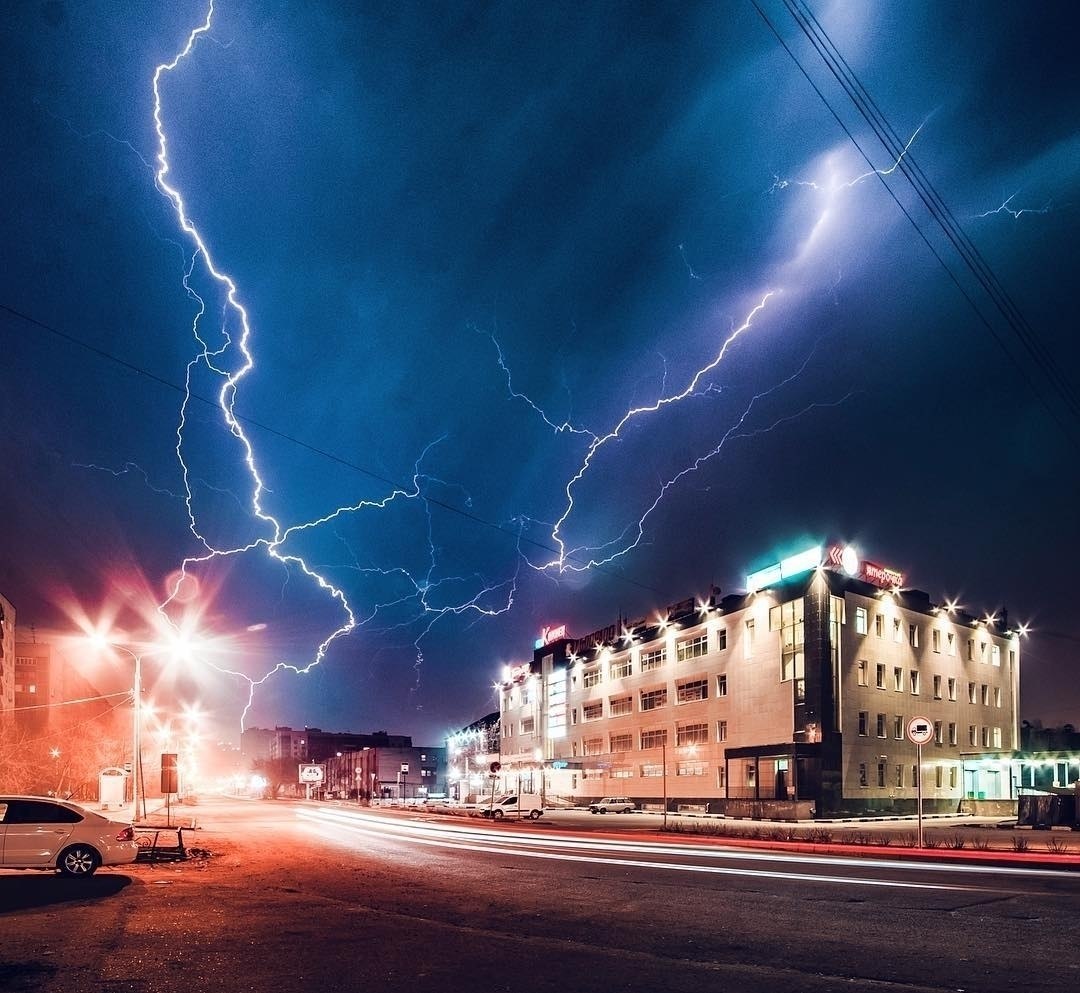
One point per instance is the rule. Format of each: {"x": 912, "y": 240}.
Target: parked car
{"x": 513, "y": 805}
{"x": 613, "y": 805}
{"x": 42, "y": 833}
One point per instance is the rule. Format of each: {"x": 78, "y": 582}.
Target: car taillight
{"x": 128, "y": 834}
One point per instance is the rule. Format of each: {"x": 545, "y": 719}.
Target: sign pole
{"x": 918, "y": 749}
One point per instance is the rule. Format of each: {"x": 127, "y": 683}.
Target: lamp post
{"x": 663, "y": 760}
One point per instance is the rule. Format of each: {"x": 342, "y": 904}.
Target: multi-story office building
{"x": 7, "y": 656}
{"x": 473, "y": 753}
{"x": 794, "y": 697}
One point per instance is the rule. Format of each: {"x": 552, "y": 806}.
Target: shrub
{"x": 980, "y": 844}
{"x": 909, "y": 839}
{"x": 1059, "y": 846}
{"x": 884, "y": 839}
{"x": 819, "y": 836}
{"x": 1019, "y": 843}
{"x": 956, "y": 841}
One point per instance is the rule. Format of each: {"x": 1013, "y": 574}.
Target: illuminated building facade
{"x": 792, "y": 699}
{"x": 472, "y": 752}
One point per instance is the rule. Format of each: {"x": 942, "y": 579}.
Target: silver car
{"x": 41, "y": 833}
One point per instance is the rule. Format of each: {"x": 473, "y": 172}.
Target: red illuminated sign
{"x": 845, "y": 558}
{"x": 551, "y": 634}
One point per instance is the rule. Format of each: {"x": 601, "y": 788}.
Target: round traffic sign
{"x": 920, "y": 730}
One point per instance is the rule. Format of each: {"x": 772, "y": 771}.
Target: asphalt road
{"x": 313, "y": 897}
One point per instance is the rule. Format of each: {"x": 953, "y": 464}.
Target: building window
{"x": 879, "y": 625}
{"x": 692, "y": 648}
{"x": 899, "y": 776}
{"x": 935, "y": 637}
{"x": 938, "y": 776}
{"x": 864, "y": 722}
{"x": 721, "y": 684}
{"x": 897, "y": 630}
{"x": 938, "y": 739}
{"x": 862, "y": 774}
{"x": 653, "y": 739}
{"x": 652, "y": 699}
{"x": 748, "y": 640}
{"x": 898, "y": 727}
{"x": 620, "y": 705}
{"x": 1012, "y": 660}
{"x": 880, "y": 676}
{"x": 792, "y": 659}
{"x": 985, "y": 737}
{"x": 937, "y": 687}
{"x": 721, "y": 639}
{"x": 881, "y": 730}
{"x": 620, "y": 668}
{"x": 952, "y": 688}
{"x": 997, "y": 738}
{"x": 982, "y": 652}
{"x": 952, "y": 733}
{"x": 528, "y": 725}
{"x": 860, "y": 620}
{"x": 997, "y": 696}
{"x": 622, "y": 742}
{"x": 914, "y": 682}
{"x": 652, "y": 770}
{"x": 881, "y": 774}
{"x": 952, "y": 777}
{"x": 721, "y": 730}
{"x": 898, "y": 679}
{"x": 621, "y": 772}
{"x": 591, "y": 677}
{"x": 913, "y": 635}
{"x": 690, "y": 769}
{"x": 593, "y": 746}
{"x": 524, "y": 695}
{"x": 693, "y": 691}
{"x": 653, "y": 660}
{"x": 692, "y": 734}
{"x": 860, "y": 668}
{"x": 971, "y": 650}
{"x": 985, "y": 691}
{"x": 972, "y": 735}
{"x": 995, "y": 655}
{"x": 971, "y": 692}
{"x": 721, "y": 777}
{"x": 592, "y": 711}
{"x": 950, "y": 641}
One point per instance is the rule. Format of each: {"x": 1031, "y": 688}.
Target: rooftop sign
{"x": 846, "y": 559}
{"x": 793, "y": 565}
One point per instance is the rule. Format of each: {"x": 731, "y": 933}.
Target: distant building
{"x": 388, "y": 772}
{"x": 471, "y": 753}
{"x": 7, "y": 656}
{"x": 790, "y": 699}
{"x": 33, "y": 678}
{"x": 256, "y": 744}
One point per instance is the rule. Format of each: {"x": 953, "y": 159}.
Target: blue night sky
{"x": 469, "y": 239}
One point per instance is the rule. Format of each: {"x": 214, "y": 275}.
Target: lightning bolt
{"x": 273, "y": 535}
{"x": 1014, "y": 212}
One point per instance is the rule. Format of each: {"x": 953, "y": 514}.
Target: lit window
{"x": 997, "y": 737}
{"x": 995, "y": 655}
{"x": 721, "y": 730}
{"x": 748, "y": 640}
{"x": 913, "y": 635}
{"x": 879, "y": 625}
{"x": 860, "y": 620}
{"x": 652, "y": 699}
{"x": 692, "y": 648}
{"x": 592, "y": 711}
{"x": 692, "y": 734}
{"x": 721, "y": 684}
{"x": 971, "y": 692}
{"x": 997, "y": 696}
{"x": 622, "y": 742}
{"x": 620, "y": 668}
{"x": 593, "y": 746}
{"x": 880, "y": 676}
{"x": 620, "y": 705}
{"x": 914, "y": 683}
{"x": 898, "y": 679}
{"x": 693, "y": 691}
{"x": 950, "y": 641}
{"x": 591, "y": 677}
{"x": 935, "y": 637}
{"x": 952, "y": 687}
{"x": 653, "y": 739}
{"x": 690, "y": 769}
{"x": 721, "y": 639}
{"x": 897, "y": 630}
{"x": 653, "y": 660}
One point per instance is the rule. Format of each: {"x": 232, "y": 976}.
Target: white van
{"x": 513, "y": 805}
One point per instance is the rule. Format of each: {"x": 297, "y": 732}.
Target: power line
{"x": 1036, "y": 352}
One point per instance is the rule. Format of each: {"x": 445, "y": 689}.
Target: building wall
{"x": 7, "y": 656}
{"x": 33, "y": 672}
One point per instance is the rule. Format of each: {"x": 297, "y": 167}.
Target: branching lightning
{"x": 1016, "y": 212}
{"x": 274, "y": 535}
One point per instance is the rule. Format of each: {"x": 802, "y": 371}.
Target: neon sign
{"x": 550, "y": 634}
{"x": 846, "y": 558}
{"x": 793, "y": 565}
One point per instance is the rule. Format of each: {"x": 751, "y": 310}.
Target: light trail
{"x": 613, "y": 853}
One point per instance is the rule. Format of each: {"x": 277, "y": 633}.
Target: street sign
{"x": 311, "y": 774}
{"x": 920, "y": 730}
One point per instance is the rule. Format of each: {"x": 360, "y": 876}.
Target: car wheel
{"x": 626, "y": 810}
{"x": 497, "y": 814}
{"x": 603, "y": 810}
{"x": 78, "y": 860}
{"x": 534, "y": 815}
